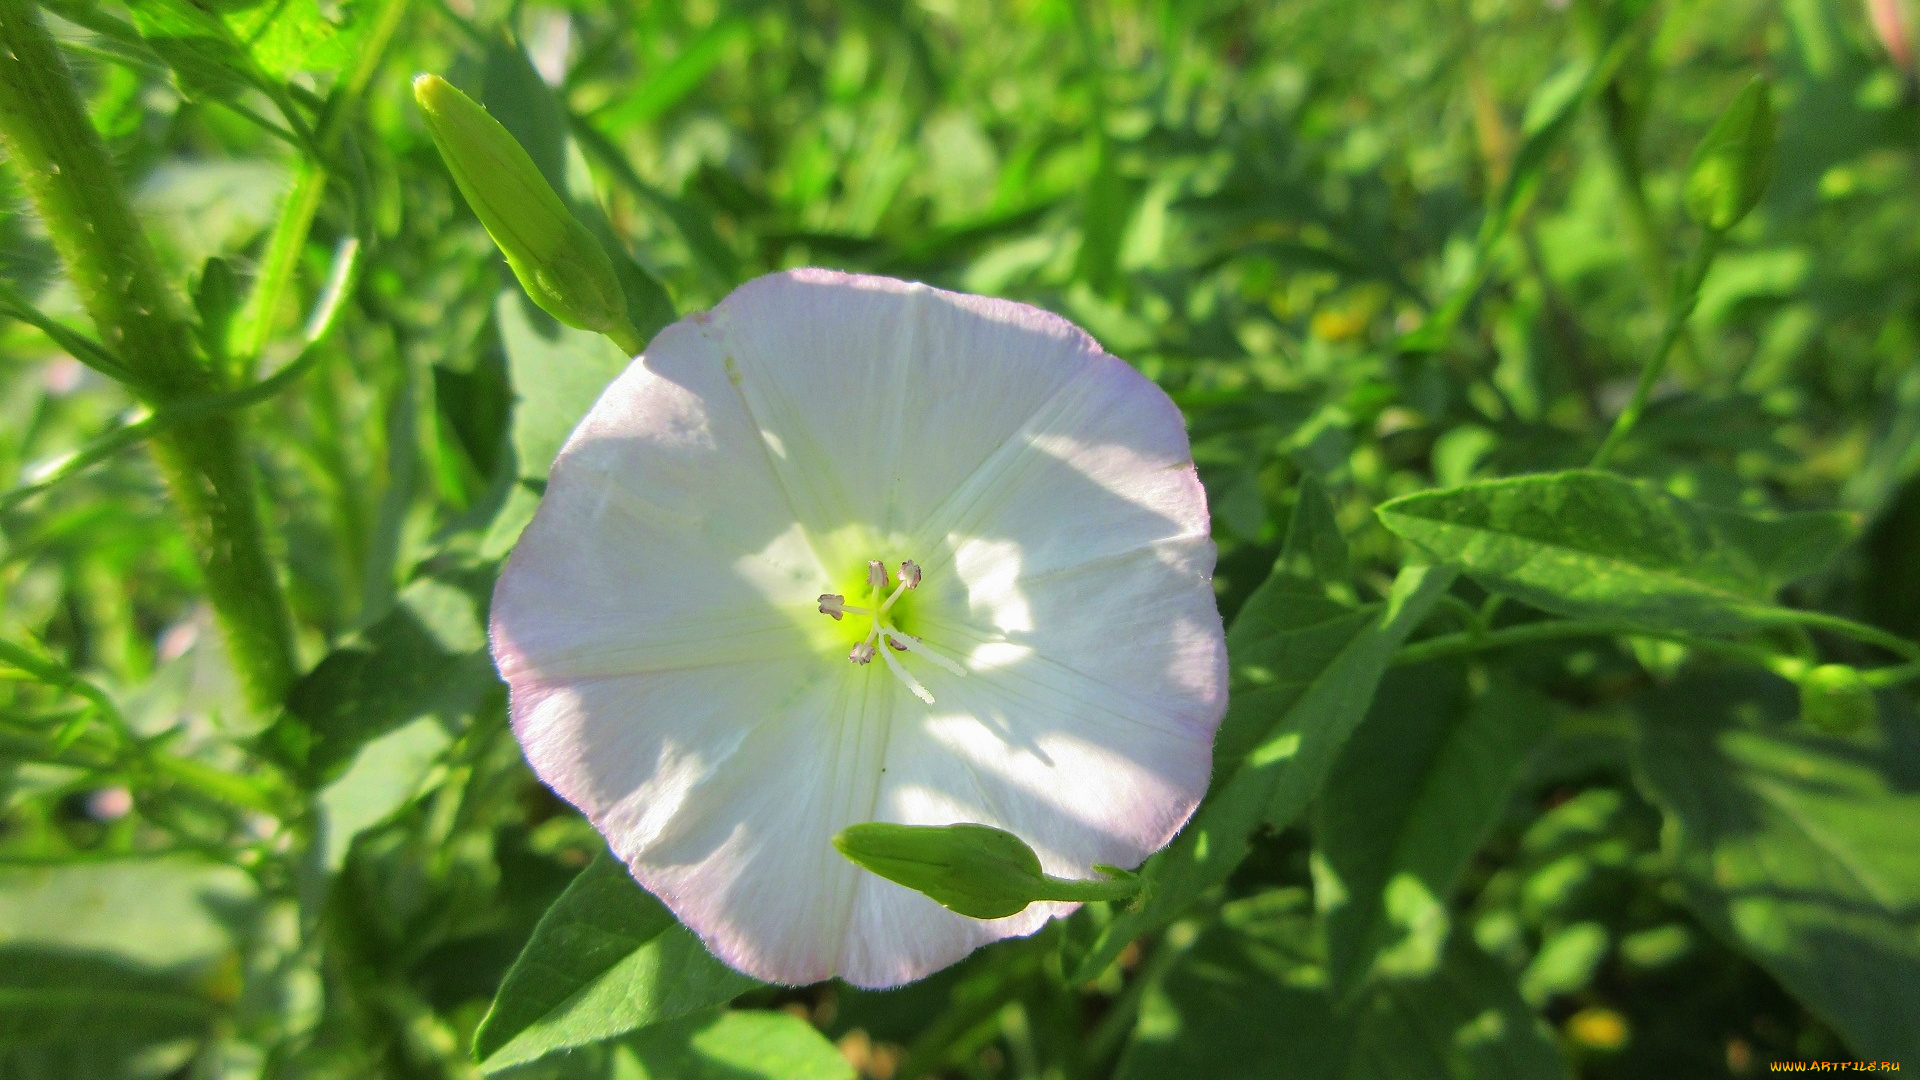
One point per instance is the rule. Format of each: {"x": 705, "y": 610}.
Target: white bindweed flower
{"x": 850, "y": 549}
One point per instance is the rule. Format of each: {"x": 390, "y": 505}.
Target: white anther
{"x": 833, "y": 604}
{"x": 863, "y": 653}
{"x": 877, "y": 574}
{"x": 910, "y": 574}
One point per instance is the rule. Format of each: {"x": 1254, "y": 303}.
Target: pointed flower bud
{"x": 976, "y": 870}
{"x": 1835, "y": 699}
{"x": 1734, "y": 162}
{"x": 560, "y": 264}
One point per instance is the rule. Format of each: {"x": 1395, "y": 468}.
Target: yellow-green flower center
{"x": 881, "y": 617}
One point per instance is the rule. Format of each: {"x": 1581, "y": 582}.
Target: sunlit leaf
{"x": 606, "y": 959}
{"x": 1404, "y": 809}
{"x": 1592, "y": 544}
{"x": 427, "y": 655}
{"x": 738, "y": 1045}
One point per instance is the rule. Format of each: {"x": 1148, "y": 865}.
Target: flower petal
{"x": 672, "y": 678}
{"x": 722, "y": 789}
{"x": 663, "y": 540}
{"x": 881, "y": 397}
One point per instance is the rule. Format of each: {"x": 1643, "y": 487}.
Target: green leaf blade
{"x": 1415, "y": 792}
{"x": 1796, "y": 847}
{"x": 1589, "y": 544}
{"x": 605, "y": 960}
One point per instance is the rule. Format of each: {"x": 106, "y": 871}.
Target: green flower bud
{"x": 1836, "y": 699}
{"x": 977, "y": 870}
{"x": 1734, "y": 162}
{"x": 560, "y": 264}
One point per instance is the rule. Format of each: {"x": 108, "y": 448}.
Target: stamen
{"x": 836, "y": 605}
{"x": 883, "y": 633}
{"x": 905, "y": 642}
{"x": 906, "y": 676}
{"x": 887, "y": 604}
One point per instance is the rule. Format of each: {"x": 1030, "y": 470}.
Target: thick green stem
{"x": 64, "y": 167}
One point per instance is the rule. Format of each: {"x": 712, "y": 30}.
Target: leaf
{"x": 1591, "y": 544}
{"x": 51, "y": 996}
{"x": 523, "y": 103}
{"x": 427, "y": 655}
{"x": 1413, "y": 795}
{"x": 1550, "y": 113}
{"x": 606, "y": 959}
{"x": 196, "y": 210}
{"x": 678, "y": 78}
{"x": 745, "y": 1044}
{"x": 385, "y": 775}
{"x": 200, "y": 48}
{"x": 288, "y": 36}
{"x": 1797, "y": 847}
{"x": 1304, "y": 672}
{"x": 175, "y": 913}
{"x": 219, "y": 50}
{"x": 1315, "y": 548}
{"x": 1837, "y": 699}
{"x": 557, "y": 374}
{"x": 1249, "y": 1000}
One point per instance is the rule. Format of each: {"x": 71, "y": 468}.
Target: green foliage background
{"x": 1515, "y": 783}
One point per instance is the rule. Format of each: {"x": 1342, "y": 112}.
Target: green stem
{"x": 1873, "y": 635}
{"x": 64, "y": 167}
{"x": 1465, "y": 644}
{"x": 1622, "y": 145}
{"x": 218, "y": 786}
{"x": 1081, "y": 890}
{"x": 302, "y": 205}
{"x": 1791, "y": 667}
{"x": 78, "y": 345}
{"x": 277, "y": 265}
{"x": 1686, "y": 297}
{"x": 1892, "y": 676}
{"x": 139, "y": 428}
